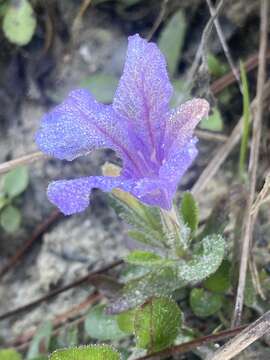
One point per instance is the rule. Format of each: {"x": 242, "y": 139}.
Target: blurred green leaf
{"x": 220, "y": 281}
{"x": 216, "y": 67}
{"x": 16, "y": 181}
{"x": 171, "y": 40}
{"x": 10, "y": 354}
{"x": 92, "y": 352}
{"x": 145, "y": 258}
{"x": 157, "y": 324}
{"x": 204, "y": 303}
{"x": 102, "y": 86}
{"x": 42, "y": 336}
{"x": 206, "y": 259}
{"x": 212, "y": 123}
{"x": 3, "y": 201}
{"x": 250, "y": 292}
{"x": 190, "y": 211}
{"x": 180, "y": 93}
{"x": 102, "y": 326}
{"x": 10, "y": 219}
{"x": 126, "y": 321}
{"x": 246, "y": 121}
{"x": 19, "y": 22}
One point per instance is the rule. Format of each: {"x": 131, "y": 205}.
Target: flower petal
{"x": 73, "y": 196}
{"x": 182, "y": 122}
{"x": 177, "y": 164}
{"x": 143, "y": 94}
{"x": 79, "y": 125}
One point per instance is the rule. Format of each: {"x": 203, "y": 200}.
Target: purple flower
{"x": 156, "y": 144}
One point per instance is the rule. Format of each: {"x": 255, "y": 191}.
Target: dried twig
{"x": 188, "y": 346}
{"x": 248, "y": 223}
{"x": 203, "y": 43}
{"x": 26, "y": 159}
{"x": 220, "y": 84}
{"x": 209, "y": 135}
{"x": 159, "y": 20}
{"x": 78, "y": 18}
{"x": 40, "y": 229}
{"x": 224, "y": 44}
{"x": 241, "y": 341}
{"x": 50, "y": 295}
{"x": 223, "y": 152}
{"x": 76, "y": 312}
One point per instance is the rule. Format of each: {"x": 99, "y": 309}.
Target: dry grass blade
{"x": 26, "y": 159}
{"x": 223, "y": 43}
{"x": 248, "y": 222}
{"x": 241, "y": 341}
{"x": 223, "y": 152}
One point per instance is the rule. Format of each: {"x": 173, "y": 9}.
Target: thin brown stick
{"x": 159, "y": 20}
{"x": 224, "y": 43}
{"x": 248, "y": 222}
{"x": 221, "y": 83}
{"x": 188, "y": 346}
{"x": 241, "y": 341}
{"x": 209, "y": 135}
{"x": 22, "y": 342}
{"x": 26, "y": 159}
{"x": 56, "y": 292}
{"x": 202, "y": 46}
{"x": 40, "y": 229}
{"x": 223, "y": 152}
{"x": 78, "y": 18}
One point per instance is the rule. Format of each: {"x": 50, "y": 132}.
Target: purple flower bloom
{"x": 156, "y": 144}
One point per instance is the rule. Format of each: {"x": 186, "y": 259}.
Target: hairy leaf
{"x": 206, "y": 259}
{"x": 157, "y": 324}
{"x": 92, "y": 352}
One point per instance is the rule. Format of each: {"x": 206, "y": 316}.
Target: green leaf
{"x": 180, "y": 93}
{"x": 16, "y": 181}
{"x": 10, "y": 354}
{"x": 171, "y": 40}
{"x": 190, "y": 211}
{"x": 42, "y": 336}
{"x": 102, "y": 86}
{"x": 145, "y": 221}
{"x": 205, "y": 260}
{"x": 3, "y": 201}
{"x": 215, "y": 66}
{"x": 92, "y": 352}
{"x": 250, "y": 292}
{"x": 145, "y": 258}
{"x": 212, "y": 123}
{"x": 19, "y": 22}
{"x": 246, "y": 121}
{"x": 157, "y": 324}
{"x": 102, "y": 326}
{"x": 204, "y": 303}
{"x": 160, "y": 282}
{"x": 126, "y": 321}
{"x": 10, "y": 219}
{"x": 220, "y": 281}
